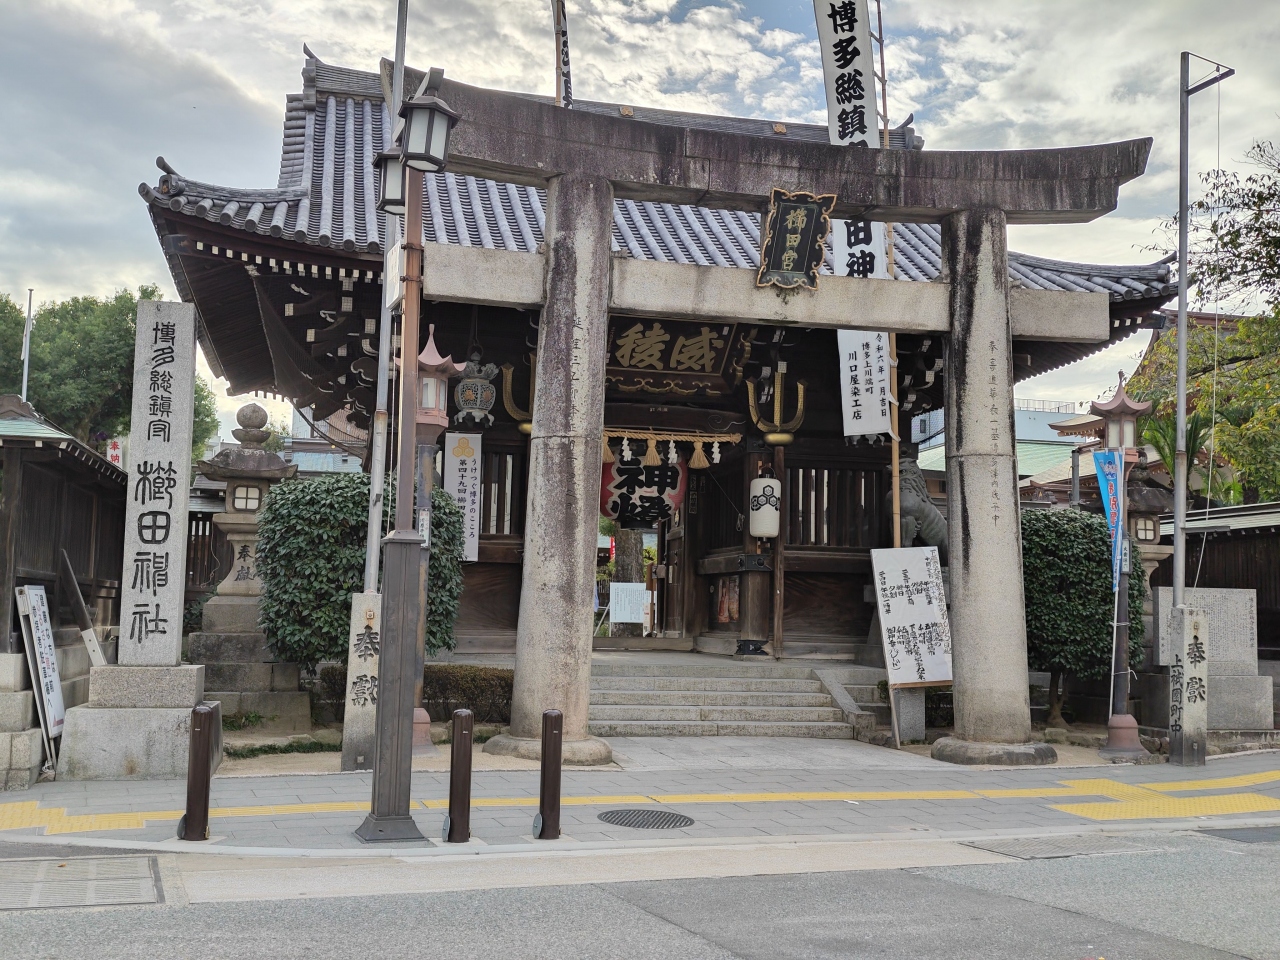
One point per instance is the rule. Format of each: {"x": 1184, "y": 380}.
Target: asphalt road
{"x": 1194, "y": 896}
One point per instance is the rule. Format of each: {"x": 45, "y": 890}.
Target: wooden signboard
{"x": 913, "y": 616}
{"x": 42, "y": 661}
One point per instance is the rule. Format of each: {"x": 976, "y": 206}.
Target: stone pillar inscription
{"x": 553, "y": 641}
{"x": 988, "y": 629}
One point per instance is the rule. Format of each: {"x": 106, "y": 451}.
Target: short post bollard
{"x": 206, "y": 740}
{"x": 457, "y": 824}
{"x": 546, "y": 825}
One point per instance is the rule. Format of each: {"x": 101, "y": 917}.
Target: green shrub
{"x": 444, "y": 583}
{"x": 293, "y": 746}
{"x": 1066, "y": 568}
{"x": 333, "y": 683}
{"x": 485, "y": 691}
{"x": 311, "y": 548}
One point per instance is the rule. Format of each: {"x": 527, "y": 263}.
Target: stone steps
{"x": 705, "y": 684}
{"x": 703, "y": 698}
{"x": 720, "y": 697}
{"x": 704, "y": 728}
{"x": 722, "y": 670}
{"x": 730, "y": 714}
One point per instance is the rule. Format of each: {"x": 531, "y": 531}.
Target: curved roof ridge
{"x": 1147, "y": 271}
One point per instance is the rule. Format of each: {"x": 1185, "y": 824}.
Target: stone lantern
{"x": 434, "y": 372}
{"x": 249, "y": 471}
{"x": 240, "y": 669}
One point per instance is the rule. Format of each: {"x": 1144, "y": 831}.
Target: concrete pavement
{"x": 806, "y": 789}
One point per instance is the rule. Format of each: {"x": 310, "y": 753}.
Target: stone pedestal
{"x": 21, "y": 746}
{"x": 240, "y": 670}
{"x": 988, "y": 629}
{"x": 553, "y": 640}
{"x": 1239, "y": 698}
{"x": 136, "y": 725}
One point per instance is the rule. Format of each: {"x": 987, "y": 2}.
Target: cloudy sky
{"x": 94, "y": 90}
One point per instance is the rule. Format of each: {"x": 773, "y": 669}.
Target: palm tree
{"x": 1162, "y": 433}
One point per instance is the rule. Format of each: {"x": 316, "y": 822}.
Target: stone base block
{"x": 281, "y": 712}
{"x": 231, "y": 615}
{"x": 21, "y": 757}
{"x": 577, "y": 753}
{"x": 160, "y": 687}
{"x": 909, "y": 705}
{"x": 1240, "y": 703}
{"x": 13, "y": 672}
{"x": 228, "y": 648}
{"x": 253, "y": 677}
{"x": 971, "y": 753}
{"x": 17, "y": 711}
{"x": 144, "y": 743}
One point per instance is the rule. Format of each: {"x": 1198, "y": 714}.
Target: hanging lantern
{"x": 391, "y": 184}
{"x": 425, "y": 141}
{"x": 765, "y": 506}
{"x": 638, "y": 495}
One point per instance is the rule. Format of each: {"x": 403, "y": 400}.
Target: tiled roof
{"x": 327, "y": 191}
{"x": 1034, "y": 457}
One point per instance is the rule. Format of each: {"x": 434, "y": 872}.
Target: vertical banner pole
{"x": 897, "y": 444}
{"x": 779, "y": 551}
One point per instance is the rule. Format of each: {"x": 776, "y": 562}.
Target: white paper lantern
{"x": 765, "y": 506}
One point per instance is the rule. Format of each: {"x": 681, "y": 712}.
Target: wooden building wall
{"x": 50, "y": 504}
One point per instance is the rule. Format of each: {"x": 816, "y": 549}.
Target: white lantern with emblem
{"x": 765, "y": 506}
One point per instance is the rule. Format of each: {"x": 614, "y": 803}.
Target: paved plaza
{"x": 732, "y": 788}
{"x": 797, "y": 849}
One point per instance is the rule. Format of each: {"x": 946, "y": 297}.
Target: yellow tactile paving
{"x": 1218, "y": 783}
{"x": 1123, "y": 801}
{"x": 285, "y": 809}
{"x": 1173, "y": 808}
{"x": 801, "y": 797}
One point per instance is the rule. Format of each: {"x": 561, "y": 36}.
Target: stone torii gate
{"x": 584, "y": 161}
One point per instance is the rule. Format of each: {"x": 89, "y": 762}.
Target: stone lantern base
{"x": 242, "y": 673}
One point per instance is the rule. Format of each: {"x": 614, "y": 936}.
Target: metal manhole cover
{"x": 646, "y": 819}
{"x": 1053, "y": 848}
{"x": 83, "y": 882}
{"x": 1248, "y": 834}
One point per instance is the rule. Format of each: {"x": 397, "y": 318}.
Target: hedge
{"x": 1066, "y": 570}
{"x": 311, "y": 549}
{"x": 446, "y": 687}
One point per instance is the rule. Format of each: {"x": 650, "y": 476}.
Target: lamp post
{"x": 1120, "y": 421}
{"x": 424, "y": 139}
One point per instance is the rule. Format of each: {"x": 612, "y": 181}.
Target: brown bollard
{"x": 206, "y": 738}
{"x": 546, "y": 826}
{"x": 457, "y": 825}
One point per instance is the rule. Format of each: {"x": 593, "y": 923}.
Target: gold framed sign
{"x": 792, "y": 241}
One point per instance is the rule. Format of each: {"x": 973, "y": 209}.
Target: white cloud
{"x": 95, "y": 89}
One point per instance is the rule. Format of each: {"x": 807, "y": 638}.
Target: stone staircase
{"x": 730, "y": 698}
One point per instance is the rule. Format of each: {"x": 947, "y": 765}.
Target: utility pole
{"x": 26, "y": 345}
{"x": 404, "y": 595}
{"x": 390, "y": 262}
{"x": 1185, "y": 91}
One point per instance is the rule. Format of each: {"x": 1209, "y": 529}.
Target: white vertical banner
{"x": 844, "y": 34}
{"x": 564, "y": 87}
{"x": 155, "y": 533}
{"x": 866, "y": 401}
{"x": 42, "y": 659}
{"x": 462, "y": 476}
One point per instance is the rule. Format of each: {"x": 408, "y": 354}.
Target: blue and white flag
{"x": 1107, "y": 465}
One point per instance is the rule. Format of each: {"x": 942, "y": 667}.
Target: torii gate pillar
{"x": 553, "y": 638}
{"x": 988, "y": 625}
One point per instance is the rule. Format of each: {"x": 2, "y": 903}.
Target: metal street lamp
{"x": 427, "y": 124}
{"x": 406, "y": 556}
{"x": 391, "y": 187}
